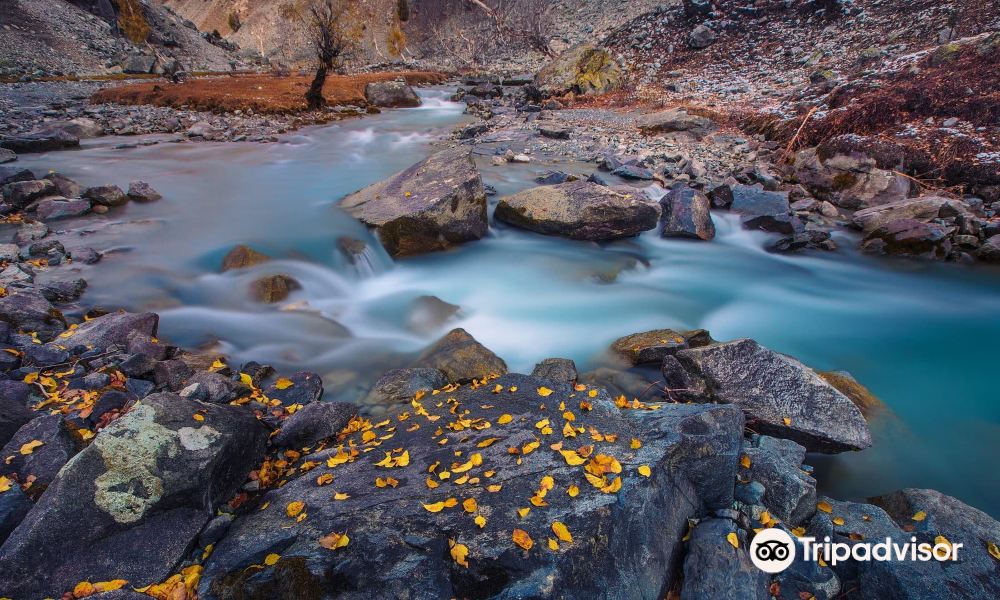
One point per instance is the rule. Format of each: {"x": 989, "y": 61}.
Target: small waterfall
{"x": 366, "y": 258}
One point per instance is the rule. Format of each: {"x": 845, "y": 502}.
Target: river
{"x": 922, "y": 337}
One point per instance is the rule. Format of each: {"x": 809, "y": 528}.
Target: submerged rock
{"x": 461, "y": 358}
{"x": 391, "y": 94}
{"x": 432, "y": 205}
{"x": 398, "y": 535}
{"x": 106, "y": 195}
{"x": 579, "y": 210}
{"x": 140, "y": 191}
{"x": 768, "y": 211}
{"x": 779, "y": 395}
{"x": 148, "y": 482}
{"x": 241, "y": 257}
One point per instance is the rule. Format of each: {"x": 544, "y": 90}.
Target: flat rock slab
{"x": 779, "y": 395}
{"x": 112, "y": 328}
{"x": 399, "y": 534}
{"x": 579, "y": 210}
{"x": 432, "y": 205}
{"x": 130, "y": 504}
{"x": 675, "y": 120}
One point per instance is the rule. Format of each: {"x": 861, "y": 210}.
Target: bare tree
{"x": 333, "y": 39}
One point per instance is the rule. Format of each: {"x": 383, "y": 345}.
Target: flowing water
{"x": 921, "y": 337}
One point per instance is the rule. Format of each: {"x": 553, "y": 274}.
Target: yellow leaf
{"x": 733, "y": 540}
{"x": 324, "y": 479}
{"x": 32, "y": 378}
{"x": 572, "y": 491}
{"x": 592, "y": 393}
{"x": 480, "y": 520}
{"x": 838, "y": 521}
{"x": 920, "y": 516}
{"x": 523, "y": 512}
{"x": 745, "y": 461}
{"x": 786, "y": 421}
{"x": 110, "y": 586}
{"x": 496, "y": 487}
{"x": 283, "y": 383}
{"x": 83, "y": 589}
{"x": 504, "y": 419}
{"x": 217, "y": 364}
{"x": 29, "y": 447}
{"x": 799, "y": 531}
{"x": 636, "y": 444}
{"x": 431, "y": 484}
{"x": 993, "y": 550}
{"x": 198, "y": 417}
{"x": 334, "y": 540}
{"x": 458, "y": 554}
{"x": 562, "y": 532}
{"x": 644, "y": 470}
{"x": 470, "y": 505}
{"x": 613, "y": 487}
{"x": 522, "y": 539}
{"x": 272, "y": 559}
{"x": 246, "y": 379}
{"x": 553, "y": 544}
{"x": 294, "y": 508}
{"x": 486, "y": 443}
{"x": 824, "y": 506}
{"x": 434, "y": 507}
{"x": 572, "y": 458}
{"x": 543, "y": 392}
{"x": 341, "y": 496}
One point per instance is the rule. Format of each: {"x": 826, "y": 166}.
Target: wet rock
{"x": 14, "y": 414}
{"x": 810, "y": 239}
{"x": 214, "y": 388}
{"x": 30, "y": 232}
{"x": 14, "y": 174}
{"x": 21, "y": 194}
{"x": 847, "y": 385}
{"x": 721, "y": 196}
{"x": 619, "y": 382}
{"x": 908, "y": 238}
{"x": 274, "y": 288}
{"x": 471, "y": 131}
{"x": 87, "y": 256}
{"x": 138, "y": 365}
{"x": 401, "y": 385}
{"x": 154, "y": 470}
{"x": 561, "y": 370}
{"x": 429, "y": 313}
{"x": 583, "y": 69}
{"x": 649, "y": 346}
{"x": 241, "y": 257}
{"x": 140, "y": 191}
{"x": 779, "y": 395}
{"x": 306, "y": 387}
{"x": 32, "y": 143}
{"x": 579, "y": 210}
{"x": 313, "y": 423}
{"x": 140, "y": 342}
{"x": 42, "y": 463}
{"x": 634, "y": 172}
{"x": 51, "y": 209}
{"x": 432, "y": 205}
{"x": 715, "y": 569}
{"x": 675, "y": 120}
{"x": 80, "y": 127}
{"x": 989, "y": 252}
{"x": 9, "y": 252}
{"x": 399, "y": 548}
{"x": 923, "y": 208}
{"x": 7, "y": 156}
{"x": 106, "y": 195}
{"x": 14, "y": 506}
{"x": 461, "y": 358}
{"x": 679, "y": 384}
{"x": 686, "y": 215}
{"x": 789, "y": 492}
{"x": 391, "y": 94}
{"x": 63, "y": 291}
{"x": 112, "y": 328}
{"x": 30, "y": 311}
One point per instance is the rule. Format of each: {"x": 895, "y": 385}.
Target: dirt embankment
{"x": 259, "y": 93}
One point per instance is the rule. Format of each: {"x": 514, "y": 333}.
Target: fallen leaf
{"x": 334, "y": 540}
{"x": 521, "y": 537}
{"x": 29, "y": 447}
{"x": 562, "y": 532}
{"x": 283, "y": 383}
{"x": 504, "y": 419}
{"x": 824, "y": 506}
{"x": 459, "y": 552}
{"x": 920, "y": 516}
{"x": 470, "y": 505}
{"x": 543, "y": 392}
{"x": 324, "y": 479}
{"x": 636, "y": 444}
{"x": 553, "y": 544}
{"x": 572, "y": 490}
{"x": 745, "y": 461}
{"x": 341, "y": 496}
{"x": 572, "y": 458}
{"x": 272, "y": 559}
{"x": 644, "y": 470}
{"x": 838, "y": 521}
{"x": 993, "y": 550}
{"x": 523, "y": 512}
{"x": 480, "y": 520}
{"x": 733, "y": 540}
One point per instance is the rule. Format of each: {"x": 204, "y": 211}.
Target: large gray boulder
{"x": 21, "y": 194}
{"x": 851, "y": 180}
{"x": 433, "y": 205}
{"x": 391, "y": 94}
{"x": 579, "y": 210}
{"x": 686, "y": 215}
{"x": 625, "y": 539}
{"x": 675, "y": 120}
{"x": 112, "y": 328}
{"x": 779, "y": 395}
{"x": 789, "y": 492}
{"x": 583, "y": 69}
{"x": 29, "y": 311}
{"x": 713, "y": 568}
{"x": 764, "y": 210}
{"x": 461, "y": 358}
{"x": 908, "y": 238}
{"x": 130, "y": 504}
{"x": 14, "y": 412}
{"x": 41, "y": 464}
{"x": 923, "y": 208}
{"x": 313, "y": 423}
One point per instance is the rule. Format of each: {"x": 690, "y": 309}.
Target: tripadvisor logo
{"x": 774, "y": 550}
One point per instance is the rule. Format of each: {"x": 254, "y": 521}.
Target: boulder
{"x": 686, "y": 215}
{"x": 147, "y": 483}
{"x": 554, "y": 132}
{"x": 138, "y": 64}
{"x": 241, "y": 257}
{"x": 789, "y": 492}
{"x": 40, "y": 464}
{"x": 32, "y": 143}
{"x": 989, "y": 252}
{"x": 112, "y": 328}
{"x": 80, "y": 127}
{"x": 301, "y": 387}
{"x": 140, "y": 191}
{"x": 14, "y": 505}
{"x": 561, "y": 370}
{"x": 391, "y": 94}
{"x": 54, "y": 209}
{"x": 7, "y": 156}
{"x": 433, "y": 205}
{"x": 649, "y": 346}
{"x": 65, "y": 186}
{"x": 314, "y": 423}
{"x": 106, "y": 195}
{"x": 273, "y": 288}
{"x": 779, "y": 395}
{"x": 399, "y": 386}
{"x": 923, "y": 208}
{"x": 15, "y": 174}
{"x": 398, "y": 534}
{"x": 214, "y": 388}
{"x": 810, "y": 239}
{"x": 584, "y": 69}
{"x": 14, "y": 413}
{"x": 461, "y": 358}
{"x": 21, "y": 194}
{"x": 675, "y": 120}
{"x": 634, "y": 172}
{"x": 767, "y": 211}
{"x": 701, "y": 36}
{"x": 429, "y": 313}
{"x": 713, "y": 568}
{"x": 579, "y": 210}
{"x": 908, "y": 238}
{"x": 30, "y": 311}
{"x": 850, "y": 180}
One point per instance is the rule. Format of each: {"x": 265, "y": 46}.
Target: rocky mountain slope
{"x": 86, "y": 37}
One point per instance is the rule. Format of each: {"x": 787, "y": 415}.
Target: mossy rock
{"x": 584, "y": 69}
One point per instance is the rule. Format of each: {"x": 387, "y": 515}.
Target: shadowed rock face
{"x": 461, "y": 358}
{"x": 391, "y": 94}
{"x": 579, "y": 210}
{"x": 148, "y": 482}
{"x": 432, "y": 205}
{"x": 686, "y": 215}
{"x": 627, "y": 543}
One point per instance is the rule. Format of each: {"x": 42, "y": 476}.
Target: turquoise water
{"x": 921, "y": 337}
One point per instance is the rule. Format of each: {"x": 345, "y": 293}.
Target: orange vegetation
{"x": 260, "y": 93}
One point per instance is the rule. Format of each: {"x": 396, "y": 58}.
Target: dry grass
{"x": 260, "y": 93}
